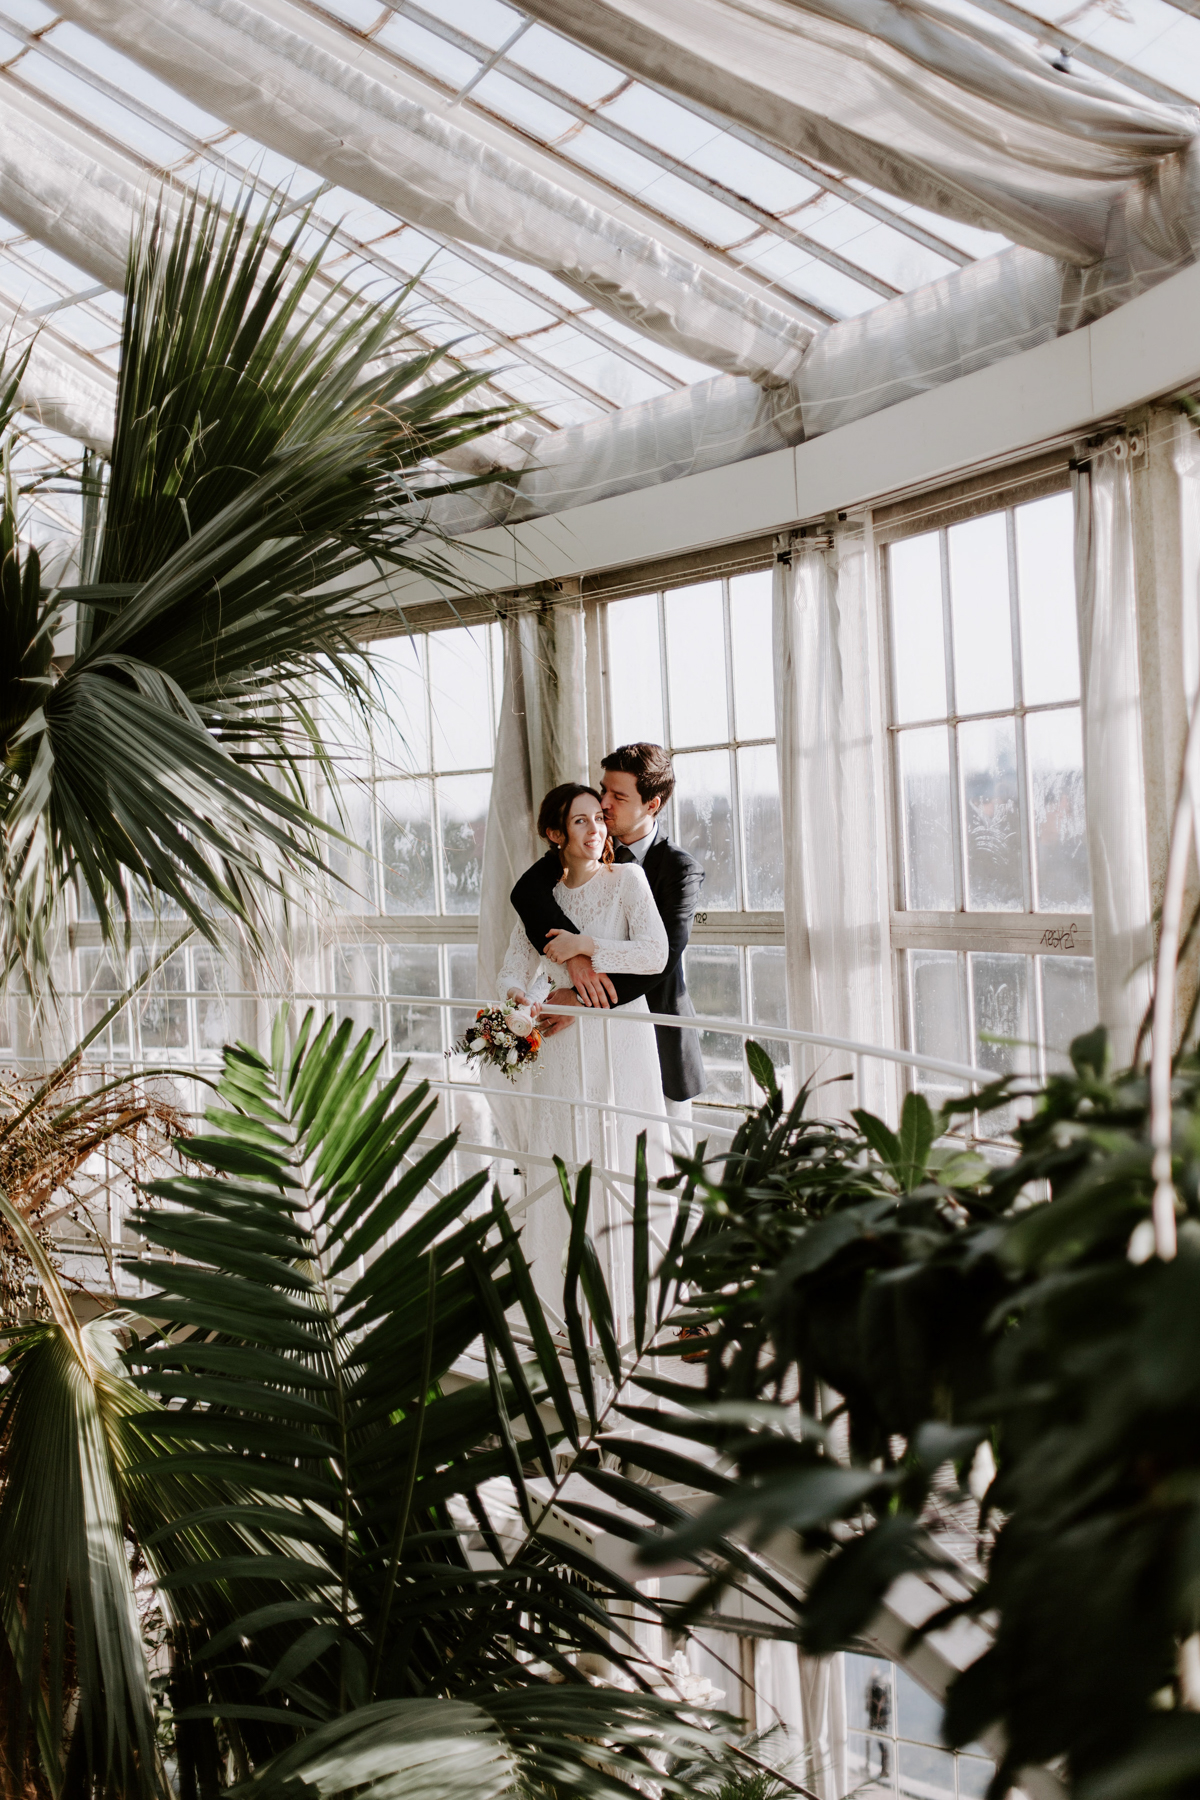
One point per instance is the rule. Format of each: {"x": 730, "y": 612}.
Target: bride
{"x": 598, "y": 1056}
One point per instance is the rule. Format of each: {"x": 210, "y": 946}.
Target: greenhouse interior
{"x": 599, "y": 885}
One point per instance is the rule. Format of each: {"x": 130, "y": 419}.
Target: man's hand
{"x": 592, "y": 988}
{"x": 548, "y": 1025}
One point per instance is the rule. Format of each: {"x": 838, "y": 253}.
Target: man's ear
{"x": 654, "y": 805}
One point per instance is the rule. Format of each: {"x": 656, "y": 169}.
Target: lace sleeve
{"x": 644, "y": 951}
{"x": 520, "y": 968}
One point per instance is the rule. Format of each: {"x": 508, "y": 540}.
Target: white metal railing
{"x": 613, "y": 1178}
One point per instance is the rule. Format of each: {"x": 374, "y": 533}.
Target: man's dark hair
{"x": 649, "y": 764}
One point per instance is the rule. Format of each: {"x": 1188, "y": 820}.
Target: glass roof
{"x": 818, "y": 244}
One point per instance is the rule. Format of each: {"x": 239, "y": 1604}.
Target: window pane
{"x": 163, "y": 1017}
{"x": 1003, "y": 1017}
{"x": 101, "y": 981}
{"x": 635, "y": 671}
{"x": 406, "y": 834}
{"x": 928, "y": 838}
{"x": 1068, "y": 1005}
{"x": 974, "y": 1774}
{"x": 464, "y": 982}
{"x": 1046, "y": 589}
{"x": 935, "y": 977}
{"x": 352, "y": 812}
{"x": 463, "y": 804}
{"x": 762, "y": 824}
{"x": 714, "y": 982}
{"x": 346, "y": 732}
{"x": 753, "y": 663}
{"x": 696, "y": 665}
{"x": 213, "y": 978}
{"x": 356, "y": 972}
{"x": 1054, "y": 747}
{"x": 918, "y": 641}
{"x": 460, "y": 699}
{"x": 918, "y": 1714}
{"x": 402, "y": 725}
{"x": 987, "y": 752}
{"x": 415, "y": 1031}
{"x": 980, "y": 610}
{"x": 704, "y": 822}
{"x": 926, "y": 1774}
{"x": 768, "y": 998}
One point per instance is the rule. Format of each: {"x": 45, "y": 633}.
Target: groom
{"x": 638, "y": 781}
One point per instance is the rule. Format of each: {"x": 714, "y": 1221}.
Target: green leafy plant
{"x": 364, "y": 1551}
{"x": 275, "y": 450}
{"x": 880, "y": 1305}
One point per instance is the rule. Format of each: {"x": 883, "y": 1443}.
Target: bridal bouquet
{"x": 504, "y": 1036}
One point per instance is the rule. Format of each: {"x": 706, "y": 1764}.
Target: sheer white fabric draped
{"x": 835, "y": 908}
{"x": 1112, "y": 742}
{"x": 340, "y": 109}
{"x": 958, "y": 114}
{"x": 541, "y": 740}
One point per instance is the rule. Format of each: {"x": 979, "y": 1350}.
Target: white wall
{"x": 1148, "y": 348}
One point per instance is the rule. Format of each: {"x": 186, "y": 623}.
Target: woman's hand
{"x": 532, "y": 1007}
{"x": 561, "y": 946}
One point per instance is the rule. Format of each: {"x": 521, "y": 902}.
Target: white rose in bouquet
{"x": 520, "y": 1024}
{"x": 511, "y": 1057}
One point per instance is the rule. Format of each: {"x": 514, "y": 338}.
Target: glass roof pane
{"x": 362, "y": 14}
{"x": 47, "y": 262}
{"x": 655, "y": 187}
{"x": 552, "y": 57}
{"x": 799, "y": 271}
{"x": 877, "y": 248}
{"x": 542, "y": 120}
{"x": 416, "y": 45}
{"x": 1150, "y": 36}
{"x": 971, "y": 239}
{"x": 82, "y": 326}
{"x": 22, "y": 288}
{"x": 32, "y": 14}
{"x": 740, "y": 166}
{"x": 94, "y": 54}
{"x": 101, "y": 112}
{"x": 9, "y": 46}
{"x": 661, "y": 122}
{"x": 487, "y": 20}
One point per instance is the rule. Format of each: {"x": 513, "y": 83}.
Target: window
{"x": 412, "y": 795}
{"x": 183, "y": 1018}
{"x": 691, "y": 668}
{"x": 894, "y": 1739}
{"x": 992, "y": 920}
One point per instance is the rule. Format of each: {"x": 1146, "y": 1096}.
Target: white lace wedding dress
{"x": 602, "y": 1057}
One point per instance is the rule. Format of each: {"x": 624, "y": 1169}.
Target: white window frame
{"x": 1028, "y": 933}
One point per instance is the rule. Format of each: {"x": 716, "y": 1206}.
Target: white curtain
{"x": 1106, "y": 597}
{"x": 953, "y": 111}
{"x": 835, "y": 904}
{"x": 342, "y": 110}
{"x": 541, "y": 740}
{"x": 79, "y": 196}
{"x": 1186, "y": 458}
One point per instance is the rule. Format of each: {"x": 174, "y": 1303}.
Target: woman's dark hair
{"x": 555, "y": 809}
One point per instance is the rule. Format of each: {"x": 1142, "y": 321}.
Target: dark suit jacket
{"x": 675, "y": 879}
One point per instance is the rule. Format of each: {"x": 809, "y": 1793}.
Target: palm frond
{"x": 328, "y": 1297}
{"x": 275, "y": 449}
